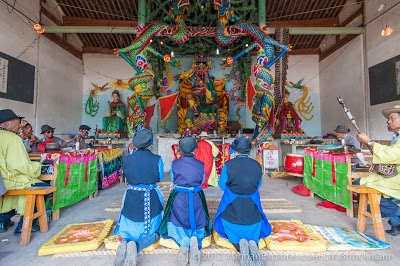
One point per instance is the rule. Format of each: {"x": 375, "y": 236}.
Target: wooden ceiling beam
{"x": 75, "y": 21}
{"x": 65, "y": 45}
{"x": 324, "y": 22}
{"x": 305, "y": 51}
{"x": 337, "y": 46}
{"x": 50, "y": 16}
{"x": 352, "y": 17}
{"x": 96, "y": 50}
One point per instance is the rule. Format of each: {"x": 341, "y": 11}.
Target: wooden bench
{"x": 371, "y": 195}
{"x": 34, "y": 195}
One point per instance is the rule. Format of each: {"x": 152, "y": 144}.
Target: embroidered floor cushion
{"x": 77, "y": 237}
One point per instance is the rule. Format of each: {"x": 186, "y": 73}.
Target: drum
{"x": 294, "y": 164}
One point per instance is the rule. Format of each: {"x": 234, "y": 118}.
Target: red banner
{"x": 166, "y": 104}
{"x": 250, "y": 92}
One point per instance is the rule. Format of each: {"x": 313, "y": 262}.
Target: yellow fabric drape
{"x": 17, "y": 170}
{"x": 213, "y": 179}
{"x": 385, "y": 155}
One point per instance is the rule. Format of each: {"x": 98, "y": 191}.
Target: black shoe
{"x": 18, "y": 231}
{"x": 394, "y": 231}
{"x": 5, "y": 225}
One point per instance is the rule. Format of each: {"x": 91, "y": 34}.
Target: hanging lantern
{"x": 386, "y": 31}
{"x": 229, "y": 60}
{"x": 167, "y": 58}
{"x": 38, "y": 28}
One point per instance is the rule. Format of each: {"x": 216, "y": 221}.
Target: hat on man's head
{"x": 242, "y": 145}
{"x": 203, "y": 134}
{"x": 187, "y": 144}
{"x": 84, "y": 127}
{"x": 45, "y": 128}
{"x": 342, "y": 129}
{"x": 387, "y": 112}
{"x": 142, "y": 139}
{"x": 8, "y": 114}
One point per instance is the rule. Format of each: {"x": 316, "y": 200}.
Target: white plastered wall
{"x": 379, "y": 49}
{"x": 59, "y": 75}
{"x": 342, "y": 74}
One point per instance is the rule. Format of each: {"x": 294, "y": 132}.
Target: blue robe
{"x": 187, "y": 215}
{"x": 240, "y": 215}
{"x": 143, "y": 202}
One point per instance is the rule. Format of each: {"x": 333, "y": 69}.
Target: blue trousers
{"x": 389, "y": 209}
{"x": 146, "y": 241}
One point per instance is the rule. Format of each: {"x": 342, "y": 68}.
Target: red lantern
{"x": 386, "y": 31}
{"x": 167, "y": 58}
{"x": 38, "y": 28}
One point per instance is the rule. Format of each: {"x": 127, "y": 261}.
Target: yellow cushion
{"x": 170, "y": 243}
{"x": 223, "y": 242}
{"x": 112, "y": 242}
{"x": 293, "y": 235}
{"x": 77, "y": 237}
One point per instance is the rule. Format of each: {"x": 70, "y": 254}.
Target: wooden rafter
{"x": 337, "y": 46}
{"x": 59, "y": 41}
{"x": 352, "y": 17}
{"x": 325, "y": 22}
{"x": 81, "y": 21}
{"x": 50, "y": 16}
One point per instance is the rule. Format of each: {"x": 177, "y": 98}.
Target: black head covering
{"x": 242, "y": 145}
{"x": 187, "y": 144}
{"x": 8, "y": 114}
{"x": 84, "y": 127}
{"x": 142, "y": 139}
{"x": 45, "y": 128}
{"x": 342, "y": 129}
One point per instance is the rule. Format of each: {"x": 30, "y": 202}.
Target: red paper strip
{"x": 67, "y": 172}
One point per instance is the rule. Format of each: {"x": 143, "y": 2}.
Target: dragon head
{"x": 178, "y": 9}
{"x": 225, "y": 11}
{"x": 176, "y": 63}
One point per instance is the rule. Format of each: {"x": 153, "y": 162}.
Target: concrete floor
{"x": 93, "y": 210}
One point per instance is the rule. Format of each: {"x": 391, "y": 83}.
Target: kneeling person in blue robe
{"x": 143, "y": 202}
{"x": 240, "y": 217}
{"x": 186, "y": 218}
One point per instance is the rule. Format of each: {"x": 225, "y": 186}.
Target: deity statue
{"x": 288, "y": 121}
{"x": 202, "y": 98}
{"x": 115, "y": 121}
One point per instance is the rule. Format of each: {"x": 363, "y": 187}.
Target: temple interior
{"x": 312, "y": 87}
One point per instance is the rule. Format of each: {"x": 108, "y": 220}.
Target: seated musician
{"x": 83, "y": 134}
{"x": 240, "y": 217}
{"x": 342, "y": 134}
{"x": 48, "y": 135}
{"x": 129, "y": 149}
{"x": 390, "y": 187}
{"x": 26, "y": 133}
{"x": 17, "y": 170}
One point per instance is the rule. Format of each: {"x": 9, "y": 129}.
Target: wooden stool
{"x": 370, "y": 194}
{"x": 33, "y": 195}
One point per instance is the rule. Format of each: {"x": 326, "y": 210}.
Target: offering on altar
{"x": 105, "y": 135}
{"x": 115, "y": 120}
